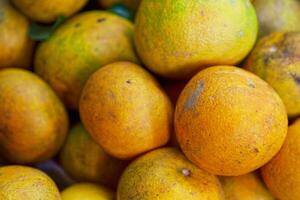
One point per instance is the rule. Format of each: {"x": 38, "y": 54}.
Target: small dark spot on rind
{"x": 129, "y": 81}
{"x": 77, "y": 25}
{"x": 251, "y": 85}
{"x": 255, "y": 150}
{"x": 194, "y": 96}
{"x": 266, "y": 60}
{"x": 101, "y": 20}
{"x": 296, "y": 78}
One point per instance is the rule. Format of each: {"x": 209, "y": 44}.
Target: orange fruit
{"x": 87, "y": 191}
{"x": 79, "y": 47}
{"x": 229, "y": 122}
{"x": 176, "y": 38}
{"x": 125, "y": 110}
{"x": 84, "y": 160}
{"x": 20, "y": 182}
{"x": 166, "y": 174}
{"x": 282, "y": 173}
{"x": 16, "y": 47}
{"x": 48, "y": 10}
{"x": 276, "y": 60}
{"x": 245, "y": 187}
{"x": 277, "y": 15}
{"x": 34, "y": 123}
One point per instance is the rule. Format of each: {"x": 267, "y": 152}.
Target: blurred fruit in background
{"x": 20, "y": 182}
{"x": 282, "y": 173}
{"x": 277, "y": 15}
{"x": 33, "y": 123}
{"x": 79, "y": 47}
{"x": 47, "y": 11}
{"x": 166, "y": 174}
{"x": 85, "y": 160}
{"x": 245, "y": 187}
{"x": 87, "y": 191}
{"x": 16, "y": 47}
{"x": 125, "y": 110}
{"x": 176, "y": 38}
{"x": 276, "y": 59}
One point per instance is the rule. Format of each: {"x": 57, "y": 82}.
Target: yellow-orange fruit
{"x": 87, "y": 191}
{"x": 229, "y": 121}
{"x": 16, "y": 47}
{"x": 282, "y": 173}
{"x": 277, "y": 15}
{"x": 81, "y": 46}
{"x": 33, "y": 123}
{"x": 176, "y": 38}
{"x": 276, "y": 59}
{"x": 84, "y": 160}
{"x": 125, "y": 110}
{"x": 165, "y": 174}
{"x": 48, "y": 10}
{"x": 245, "y": 187}
{"x": 20, "y": 182}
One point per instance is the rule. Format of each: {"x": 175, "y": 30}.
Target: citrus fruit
{"x": 33, "y": 123}
{"x": 20, "y": 182}
{"x": 282, "y": 173}
{"x": 16, "y": 47}
{"x": 229, "y": 122}
{"x": 48, "y": 10}
{"x": 125, "y": 110}
{"x": 245, "y": 187}
{"x": 165, "y": 174}
{"x": 87, "y": 191}
{"x": 84, "y": 160}
{"x": 277, "y": 15}
{"x": 81, "y": 46}
{"x": 176, "y": 38}
{"x": 276, "y": 59}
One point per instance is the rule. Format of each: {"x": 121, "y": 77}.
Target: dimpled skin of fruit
{"x": 245, "y": 187}
{"x": 277, "y": 15}
{"x": 165, "y": 174}
{"x": 16, "y": 47}
{"x": 276, "y": 59}
{"x": 80, "y": 47}
{"x": 133, "y": 4}
{"x": 20, "y": 182}
{"x": 33, "y": 123}
{"x": 176, "y": 38}
{"x": 48, "y": 10}
{"x": 229, "y": 122}
{"x": 85, "y": 160}
{"x": 282, "y": 173}
{"x": 87, "y": 191}
{"x": 125, "y": 110}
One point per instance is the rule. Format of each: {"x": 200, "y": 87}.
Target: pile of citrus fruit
{"x": 149, "y": 100}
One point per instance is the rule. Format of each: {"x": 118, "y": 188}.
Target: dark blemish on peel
{"x": 186, "y": 172}
{"x": 255, "y": 150}
{"x": 296, "y": 78}
{"x": 194, "y": 96}
{"x": 266, "y": 60}
{"x": 101, "y": 20}
{"x": 129, "y": 81}
{"x": 77, "y": 25}
{"x": 202, "y": 13}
